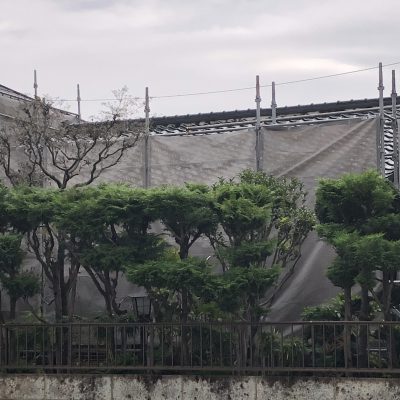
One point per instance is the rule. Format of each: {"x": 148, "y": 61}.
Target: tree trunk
{"x": 1, "y": 310}
{"x": 13, "y": 308}
{"x": 72, "y": 299}
{"x": 347, "y": 328}
{"x": 57, "y": 295}
{"x": 64, "y": 292}
{"x": 184, "y": 320}
{"x": 13, "y": 355}
{"x": 363, "y": 333}
{"x": 183, "y": 252}
{"x": 387, "y": 278}
{"x": 108, "y": 306}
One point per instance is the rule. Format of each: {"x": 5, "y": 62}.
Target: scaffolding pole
{"x": 395, "y": 129}
{"x": 35, "y": 84}
{"x": 273, "y": 104}
{"x": 259, "y": 146}
{"x": 78, "y": 99}
{"x": 381, "y": 124}
{"x": 146, "y": 140}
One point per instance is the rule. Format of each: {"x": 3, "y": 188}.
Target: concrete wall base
{"x": 132, "y": 387}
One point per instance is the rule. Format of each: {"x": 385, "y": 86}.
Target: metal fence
{"x": 201, "y": 347}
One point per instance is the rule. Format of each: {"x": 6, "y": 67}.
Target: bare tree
{"x": 46, "y": 146}
{"x": 59, "y": 148}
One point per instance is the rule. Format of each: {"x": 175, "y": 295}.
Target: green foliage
{"x": 241, "y": 287}
{"x": 354, "y": 198}
{"x": 29, "y": 207}
{"x": 184, "y": 211}
{"x": 332, "y": 311}
{"x": 107, "y": 228}
{"x": 281, "y": 351}
{"x": 168, "y": 279}
{"x": 11, "y": 254}
{"x": 256, "y": 226}
{"x": 263, "y": 222}
{"x": 192, "y": 274}
{"x": 249, "y": 253}
{"x": 24, "y": 284}
{"x": 3, "y": 212}
{"x": 261, "y": 216}
{"x": 17, "y": 283}
{"x": 359, "y": 215}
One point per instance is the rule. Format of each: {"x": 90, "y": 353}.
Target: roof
{"x": 5, "y": 91}
{"x": 239, "y": 118}
{"x": 229, "y": 121}
{"x": 15, "y": 96}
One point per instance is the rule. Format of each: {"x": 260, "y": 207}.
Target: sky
{"x": 190, "y": 46}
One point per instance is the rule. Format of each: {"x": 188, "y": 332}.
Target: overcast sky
{"x": 181, "y": 46}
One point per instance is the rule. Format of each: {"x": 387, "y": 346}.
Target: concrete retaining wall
{"x": 35, "y": 387}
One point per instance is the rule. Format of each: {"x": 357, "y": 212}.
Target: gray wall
{"x": 51, "y": 387}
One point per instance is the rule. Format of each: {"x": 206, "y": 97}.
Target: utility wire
{"x": 243, "y": 88}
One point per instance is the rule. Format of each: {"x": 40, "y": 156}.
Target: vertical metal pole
{"x": 258, "y": 126}
{"x": 395, "y": 133}
{"x": 381, "y": 140}
{"x": 146, "y": 140}
{"x": 273, "y": 104}
{"x": 35, "y": 85}
{"x": 78, "y": 99}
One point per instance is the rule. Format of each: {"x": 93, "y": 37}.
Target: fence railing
{"x": 201, "y": 347}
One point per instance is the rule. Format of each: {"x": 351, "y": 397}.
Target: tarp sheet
{"x": 310, "y": 153}
{"x": 306, "y": 152}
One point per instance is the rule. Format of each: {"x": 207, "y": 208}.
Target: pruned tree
{"x": 359, "y": 216}
{"x": 186, "y": 215}
{"x": 106, "y": 229}
{"x": 263, "y": 223}
{"x": 18, "y": 284}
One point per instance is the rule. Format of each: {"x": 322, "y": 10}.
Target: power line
{"x": 333, "y": 75}
{"x": 240, "y": 89}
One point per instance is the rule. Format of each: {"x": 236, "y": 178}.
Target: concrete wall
{"x": 31, "y": 387}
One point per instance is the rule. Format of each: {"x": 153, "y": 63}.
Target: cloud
{"x": 80, "y": 5}
{"x": 185, "y": 46}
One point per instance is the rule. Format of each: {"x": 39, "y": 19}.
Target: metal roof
{"x": 229, "y": 121}
{"x": 15, "y": 96}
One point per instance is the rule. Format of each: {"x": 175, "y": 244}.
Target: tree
{"x": 44, "y": 145}
{"x": 186, "y": 215}
{"x": 359, "y": 217}
{"x": 31, "y": 212}
{"x": 107, "y": 229}
{"x": 262, "y": 225}
{"x": 17, "y": 283}
{"x": 166, "y": 279}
